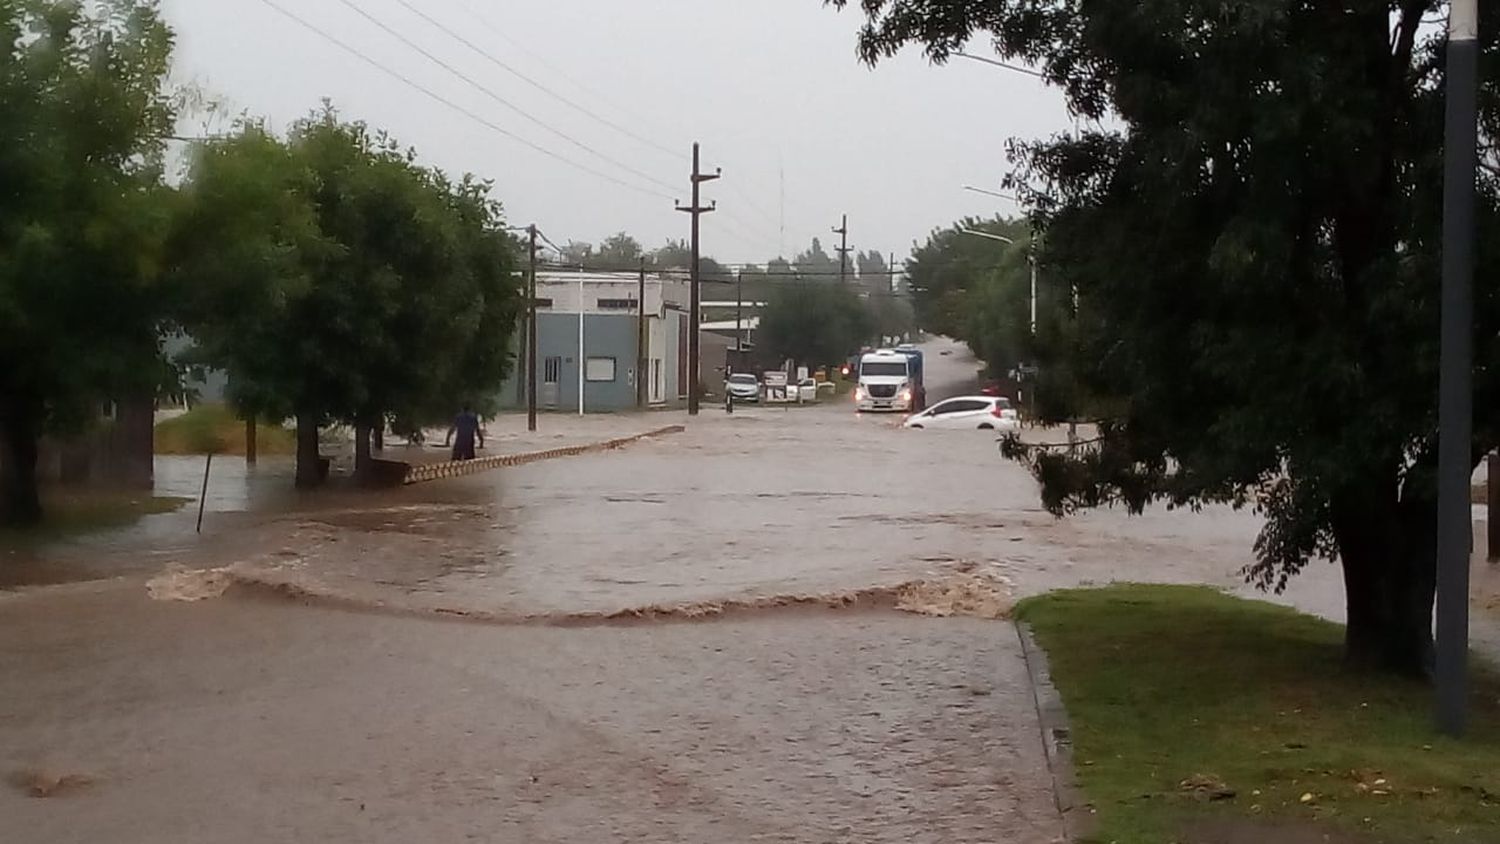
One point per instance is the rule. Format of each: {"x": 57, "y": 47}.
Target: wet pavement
{"x": 254, "y": 722}
{"x": 439, "y": 663}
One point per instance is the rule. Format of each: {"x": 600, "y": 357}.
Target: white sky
{"x": 766, "y": 85}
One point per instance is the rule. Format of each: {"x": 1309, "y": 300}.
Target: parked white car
{"x": 984, "y": 413}
{"x": 744, "y": 386}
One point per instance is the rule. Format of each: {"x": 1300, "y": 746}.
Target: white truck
{"x": 885, "y": 382}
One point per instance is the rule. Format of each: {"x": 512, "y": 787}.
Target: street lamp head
{"x": 988, "y": 236}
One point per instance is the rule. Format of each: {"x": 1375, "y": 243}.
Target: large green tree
{"x": 335, "y": 279}
{"x": 1255, "y": 244}
{"x": 816, "y": 263}
{"x": 83, "y": 114}
{"x": 813, "y": 323}
{"x": 943, "y": 272}
{"x": 618, "y": 252}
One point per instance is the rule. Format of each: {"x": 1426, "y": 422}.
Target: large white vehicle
{"x": 885, "y": 382}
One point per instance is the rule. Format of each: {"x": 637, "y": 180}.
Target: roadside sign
{"x": 775, "y": 382}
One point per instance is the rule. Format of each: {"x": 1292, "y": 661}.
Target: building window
{"x": 616, "y": 304}
{"x": 543, "y": 303}
{"x": 552, "y": 370}
{"x": 599, "y": 369}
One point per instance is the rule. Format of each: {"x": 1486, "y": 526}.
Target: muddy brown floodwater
{"x": 780, "y": 625}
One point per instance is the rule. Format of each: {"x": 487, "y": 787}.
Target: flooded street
{"x": 689, "y": 639}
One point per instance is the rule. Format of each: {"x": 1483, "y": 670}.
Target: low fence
{"x": 459, "y": 468}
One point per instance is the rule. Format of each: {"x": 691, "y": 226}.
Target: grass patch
{"x": 215, "y": 427}
{"x": 68, "y": 514}
{"x": 1167, "y": 683}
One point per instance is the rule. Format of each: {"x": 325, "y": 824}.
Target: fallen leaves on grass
{"x": 1206, "y": 787}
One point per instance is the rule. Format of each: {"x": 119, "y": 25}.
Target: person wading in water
{"x": 466, "y": 427}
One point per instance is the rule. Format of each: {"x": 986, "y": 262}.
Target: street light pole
{"x": 1032, "y": 259}
{"x": 1455, "y": 389}
{"x": 1003, "y": 239}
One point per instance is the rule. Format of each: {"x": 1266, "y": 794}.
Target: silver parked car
{"x": 743, "y": 386}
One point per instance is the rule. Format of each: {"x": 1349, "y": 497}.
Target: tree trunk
{"x": 309, "y": 463}
{"x": 362, "y": 466}
{"x": 20, "y": 504}
{"x": 379, "y": 434}
{"x": 1389, "y": 557}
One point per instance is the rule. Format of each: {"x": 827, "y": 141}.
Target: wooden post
{"x": 203, "y": 496}
{"x": 250, "y": 445}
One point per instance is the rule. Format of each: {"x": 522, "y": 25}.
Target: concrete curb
{"x": 459, "y": 468}
{"x": 1077, "y": 815}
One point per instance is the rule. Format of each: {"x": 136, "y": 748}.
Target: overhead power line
{"x": 433, "y": 95}
{"x": 532, "y": 82}
{"x": 498, "y": 32}
{"x": 483, "y": 89}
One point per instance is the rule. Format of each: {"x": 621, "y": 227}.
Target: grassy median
{"x": 1199, "y": 717}
{"x": 214, "y": 427}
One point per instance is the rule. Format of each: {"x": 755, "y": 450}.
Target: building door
{"x": 682, "y": 358}
{"x": 551, "y": 375}
{"x": 656, "y": 381}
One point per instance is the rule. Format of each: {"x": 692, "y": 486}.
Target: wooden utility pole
{"x": 695, "y": 318}
{"x": 843, "y": 232}
{"x": 642, "y": 343}
{"x": 531, "y": 333}
{"x": 739, "y": 308}
{"x": 250, "y": 444}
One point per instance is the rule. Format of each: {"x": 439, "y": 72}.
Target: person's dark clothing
{"x": 465, "y": 431}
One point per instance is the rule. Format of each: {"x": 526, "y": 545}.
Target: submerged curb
{"x": 459, "y": 468}
{"x": 1077, "y": 815}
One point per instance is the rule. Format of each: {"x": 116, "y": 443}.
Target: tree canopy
{"x": 943, "y": 272}
{"x": 1256, "y": 252}
{"x": 814, "y": 323}
{"x": 81, "y": 215}
{"x": 334, "y": 278}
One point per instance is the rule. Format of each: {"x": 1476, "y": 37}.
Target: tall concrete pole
{"x": 1455, "y": 390}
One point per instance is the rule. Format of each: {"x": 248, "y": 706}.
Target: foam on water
{"x": 962, "y": 591}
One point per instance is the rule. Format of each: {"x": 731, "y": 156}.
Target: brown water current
{"x": 781, "y": 625}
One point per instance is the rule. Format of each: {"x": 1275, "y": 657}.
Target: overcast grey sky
{"x": 769, "y": 87}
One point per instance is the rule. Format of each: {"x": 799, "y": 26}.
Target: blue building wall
{"x": 605, "y": 336}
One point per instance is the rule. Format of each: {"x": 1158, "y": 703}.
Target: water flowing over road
{"x": 726, "y": 634}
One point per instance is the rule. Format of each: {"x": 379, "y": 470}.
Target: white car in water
{"x": 744, "y": 386}
{"x": 983, "y": 413}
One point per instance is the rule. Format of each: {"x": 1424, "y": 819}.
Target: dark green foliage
{"x": 334, "y": 278}
{"x": 83, "y": 113}
{"x": 814, "y": 323}
{"x": 945, "y": 274}
{"x": 1256, "y": 253}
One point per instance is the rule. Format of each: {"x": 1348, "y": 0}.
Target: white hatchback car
{"x": 984, "y": 413}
